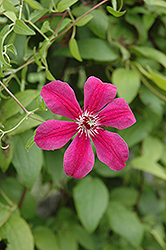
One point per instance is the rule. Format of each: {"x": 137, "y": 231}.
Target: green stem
{"x": 64, "y": 14}
{"x": 36, "y": 28}
{"x": 6, "y": 197}
{"x": 20, "y": 11}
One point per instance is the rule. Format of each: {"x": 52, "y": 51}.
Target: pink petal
{"x": 111, "y": 149}
{"x": 60, "y": 99}
{"x": 79, "y": 157}
{"x": 97, "y": 94}
{"x": 54, "y": 134}
{"x": 117, "y": 114}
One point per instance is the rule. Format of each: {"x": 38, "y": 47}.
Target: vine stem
{"x": 22, "y": 197}
{"x": 71, "y": 25}
{"x": 10, "y": 93}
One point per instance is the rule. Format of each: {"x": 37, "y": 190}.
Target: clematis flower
{"x": 100, "y": 110}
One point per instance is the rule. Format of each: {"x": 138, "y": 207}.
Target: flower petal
{"x": 79, "y": 157}
{"x": 97, "y": 94}
{"x": 60, "y": 99}
{"x": 54, "y": 134}
{"x": 111, "y": 149}
{"x": 117, "y": 114}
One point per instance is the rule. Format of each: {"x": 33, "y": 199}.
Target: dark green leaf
{"x": 6, "y": 155}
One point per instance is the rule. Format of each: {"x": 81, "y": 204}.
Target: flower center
{"x": 87, "y": 123}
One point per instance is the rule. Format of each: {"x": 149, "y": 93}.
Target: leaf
{"x": 49, "y": 76}
{"x": 34, "y": 4}
{"x": 115, "y": 12}
{"x": 17, "y": 233}
{"x": 126, "y": 196}
{"x": 64, "y": 4}
{"x": 37, "y": 14}
{"x": 67, "y": 240}
{"x": 84, "y": 20}
{"x": 84, "y": 239}
{"x": 2, "y": 38}
{"x": 45, "y": 238}
{"x": 152, "y": 148}
{"x": 152, "y": 101}
{"x": 21, "y": 28}
{"x": 137, "y": 132}
{"x": 125, "y": 223}
{"x": 24, "y": 126}
{"x": 40, "y": 103}
{"x": 150, "y": 53}
{"x": 4, "y": 215}
{"x": 99, "y": 24}
{"x": 156, "y": 2}
{"x": 158, "y": 79}
{"x": 127, "y": 83}
{"x": 146, "y": 164}
{"x": 91, "y": 200}
{"x": 11, "y": 107}
{"x": 6, "y": 155}
{"x": 27, "y": 164}
{"x": 8, "y": 6}
{"x": 14, "y": 190}
{"x": 11, "y": 15}
{"x": 74, "y": 49}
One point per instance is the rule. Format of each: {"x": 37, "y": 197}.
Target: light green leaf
{"x": 127, "y": 82}
{"x": 84, "y": 20}
{"x": 158, "y": 79}
{"x": 21, "y": 28}
{"x": 4, "y": 214}
{"x": 49, "y": 76}
{"x": 146, "y": 164}
{"x": 2, "y": 38}
{"x": 34, "y": 4}
{"x": 91, "y": 200}
{"x": 45, "y": 239}
{"x": 74, "y": 49}
{"x": 152, "y": 148}
{"x": 8, "y": 6}
{"x": 6, "y": 155}
{"x": 11, "y": 107}
{"x": 150, "y": 53}
{"x": 27, "y": 164}
{"x": 11, "y": 15}
{"x": 40, "y": 103}
{"x": 126, "y": 196}
{"x": 156, "y": 2}
{"x": 17, "y": 233}
{"x": 86, "y": 240}
{"x": 64, "y": 4}
{"x": 37, "y": 14}
{"x": 11, "y": 48}
{"x": 125, "y": 223}
{"x": 115, "y": 12}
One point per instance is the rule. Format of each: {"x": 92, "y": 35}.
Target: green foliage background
{"x": 122, "y": 42}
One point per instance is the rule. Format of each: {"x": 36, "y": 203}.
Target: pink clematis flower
{"x": 100, "y": 110}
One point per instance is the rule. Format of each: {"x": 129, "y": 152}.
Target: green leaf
{"x": 152, "y": 101}
{"x": 156, "y": 2}
{"x": 91, "y": 200}
{"x": 24, "y": 126}
{"x": 2, "y": 38}
{"x": 126, "y": 196}
{"x": 84, "y": 239}
{"x": 99, "y": 24}
{"x": 8, "y": 6}
{"x": 97, "y": 49}
{"x": 11, "y": 107}
{"x": 158, "y": 79}
{"x": 6, "y": 155}
{"x": 34, "y": 4}
{"x": 21, "y": 28}
{"x": 27, "y": 164}
{"x": 67, "y": 240}
{"x": 45, "y": 238}
{"x": 137, "y": 132}
{"x": 40, "y": 103}
{"x": 14, "y": 190}
{"x": 146, "y": 164}
{"x": 115, "y": 12}
{"x": 150, "y": 53}
{"x": 127, "y": 82}
{"x": 64, "y": 4}
{"x": 125, "y": 223}
{"x": 17, "y": 233}
{"x": 4, "y": 215}
{"x": 152, "y": 148}
{"x": 11, "y": 15}
{"x": 37, "y": 14}
{"x": 49, "y": 76}
{"x": 84, "y": 20}
{"x": 74, "y": 49}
